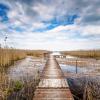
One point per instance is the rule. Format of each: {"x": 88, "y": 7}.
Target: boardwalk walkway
{"x": 52, "y": 85}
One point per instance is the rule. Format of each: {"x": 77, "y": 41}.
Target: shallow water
{"x": 72, "y": 69}
{"x": 27, "y": 67}
{"x": 88, "y": 75}
{"x": 83, "y": 65}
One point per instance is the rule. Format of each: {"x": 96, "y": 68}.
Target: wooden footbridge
{"x": 52, "y": 85}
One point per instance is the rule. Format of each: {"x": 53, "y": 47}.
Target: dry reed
{"x": 8, "y": 56}
{"x": 24, "y": 89}
{"x": 84, "y": 53}
{"x": 85, "y": 88}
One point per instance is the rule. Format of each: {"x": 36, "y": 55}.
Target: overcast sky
{"x": 50, "y": 24}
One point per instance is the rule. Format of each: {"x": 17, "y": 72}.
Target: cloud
{"x": 51, "y": 24}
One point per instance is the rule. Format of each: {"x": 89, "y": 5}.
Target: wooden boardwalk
{"x": 52, "y": 85}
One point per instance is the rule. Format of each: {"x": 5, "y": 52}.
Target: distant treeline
{"x": 8, "y": 56}
{"x": 84, "y": 53}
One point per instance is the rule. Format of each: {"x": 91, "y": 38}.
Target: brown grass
{"x": 18, "y": 90}
{"x": 92, "y": 89}
{"x": 8, "y": 56}
{"x": 84, "y": 53}
{"x": 85, "y": 87}
{"x": 23, "y": 89}
{"x": 37, "y": 53}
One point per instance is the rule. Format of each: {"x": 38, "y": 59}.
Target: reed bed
{"x": 85, "y": 88}
{"x": 37, "y": 53}
{"x": 8, "y": 56}
{"x": 84, "y": 53}
{"x": 20, "y": 89}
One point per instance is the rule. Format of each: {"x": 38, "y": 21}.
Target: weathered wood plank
{"x": 52, "y": 86}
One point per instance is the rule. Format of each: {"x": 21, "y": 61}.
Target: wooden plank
{"x": 52, "y": 85}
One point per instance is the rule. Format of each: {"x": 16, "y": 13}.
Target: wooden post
{"x": 76, "y": 66}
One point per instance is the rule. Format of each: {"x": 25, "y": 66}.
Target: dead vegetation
{"x": 84, "y": 53}
{"x": 8, "y": 56}
{"x": 85, "y": 88}
{"x": 18, "y": 90}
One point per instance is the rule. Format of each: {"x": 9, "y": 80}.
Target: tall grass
{"x": 18, "y": 90}
{"x": 92, "y": 89}
{"x": 22, "y": 89}
{"x": 84, "y": 53}
{"x": 37, "y": 53}
{"x": 85, "y": 87}
{"x": 8, "y": 56}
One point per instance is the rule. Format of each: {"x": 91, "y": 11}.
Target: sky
{"x": 50, "y": 24}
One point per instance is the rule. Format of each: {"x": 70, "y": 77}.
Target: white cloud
{"x": 64, "y": 28}
{"x": 52, "y": 41}
{"x": 91, "y": 30}
{"x": 45, "y": 12}
{"x": 31, "y": 16}
{"x": 83, "y": 30}
{"x": 60, "y": 45}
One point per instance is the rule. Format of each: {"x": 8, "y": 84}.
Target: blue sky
{"x": 50, "y": 24}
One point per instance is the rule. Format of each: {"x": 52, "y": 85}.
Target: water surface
{"x": 27, "y": 67}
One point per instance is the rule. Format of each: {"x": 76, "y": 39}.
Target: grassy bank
{"x": 84, "y": 53}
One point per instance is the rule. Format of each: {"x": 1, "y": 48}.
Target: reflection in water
{"x": 72, "y": 69}
{"x": 84, "y": 65}
{"x": 25, "y": 68}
